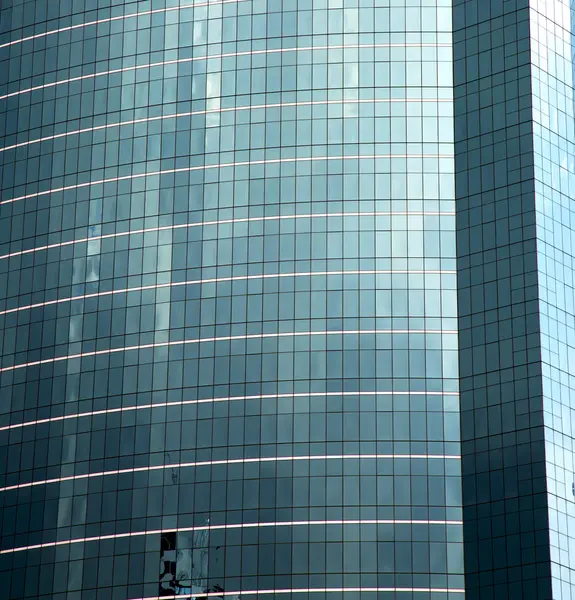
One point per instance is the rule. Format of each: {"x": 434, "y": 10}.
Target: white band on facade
{"x": 246, "y": 163}
{"x": 227, "y": 338}
{"x": 239, "y": 220}
{"x": 342, "y": 102}
{"x": 100, "y": 538}
{"x": 230, "y": 461}
{"x": 331, "y": 590}
{"x": 179, "y": 61}
{"x": 174, "y": 404}
{"x": 120, "y": 18}
{"x": 263, "y": 276}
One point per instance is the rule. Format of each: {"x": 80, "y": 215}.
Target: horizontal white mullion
{"x": 238, "y": 221}
{"x": 210, "y": 111}
{"x": 225, "y": 462}
{"x": 233, "y": 278}
{"x": 130, "y": 534}
{"x": 119, "y": 18}
{"x": 179, "y": 61}
{"x": 167, "y": 405}
{"x": 246, "y": 163}
{"x": 330, "y": 590}
{"x": 226, "y": 338}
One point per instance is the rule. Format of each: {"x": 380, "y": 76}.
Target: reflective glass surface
{"x": 506, "y": 526}
{"x": 228, "y": 314}
{"x": 553, "y": 25}
{"x": 515, "y": 183}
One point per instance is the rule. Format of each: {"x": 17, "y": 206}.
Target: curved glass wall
{"x": 228, "y": 315}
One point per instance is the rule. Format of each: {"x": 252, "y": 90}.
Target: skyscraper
{"x": 231, "y": 351}
{"x": 514, "y": 157}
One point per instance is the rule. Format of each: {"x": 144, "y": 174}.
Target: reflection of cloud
{"x": 351, "y": 75}
{"x": 213, "y": 85}
{"x": 75, "y": 328}
{"x": 213, "y": 97}
{"x": 64, "y": 512}
{"x": 162, "y": 316}
{"x": 93, "y": 247}
{"x": 199, "y": 35}
{"x": 92, "y": 269}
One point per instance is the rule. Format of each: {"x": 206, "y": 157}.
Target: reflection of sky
{"x": 556, "y": 101}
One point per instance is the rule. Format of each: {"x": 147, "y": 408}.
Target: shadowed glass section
{"x": 506, "y": 524}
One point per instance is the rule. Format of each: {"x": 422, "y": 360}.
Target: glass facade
{"x": 228, "y": 305}
{"x": 552, "y": 28}
{"x": 515, "y": 180}
{"x": 506, "y": 525}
